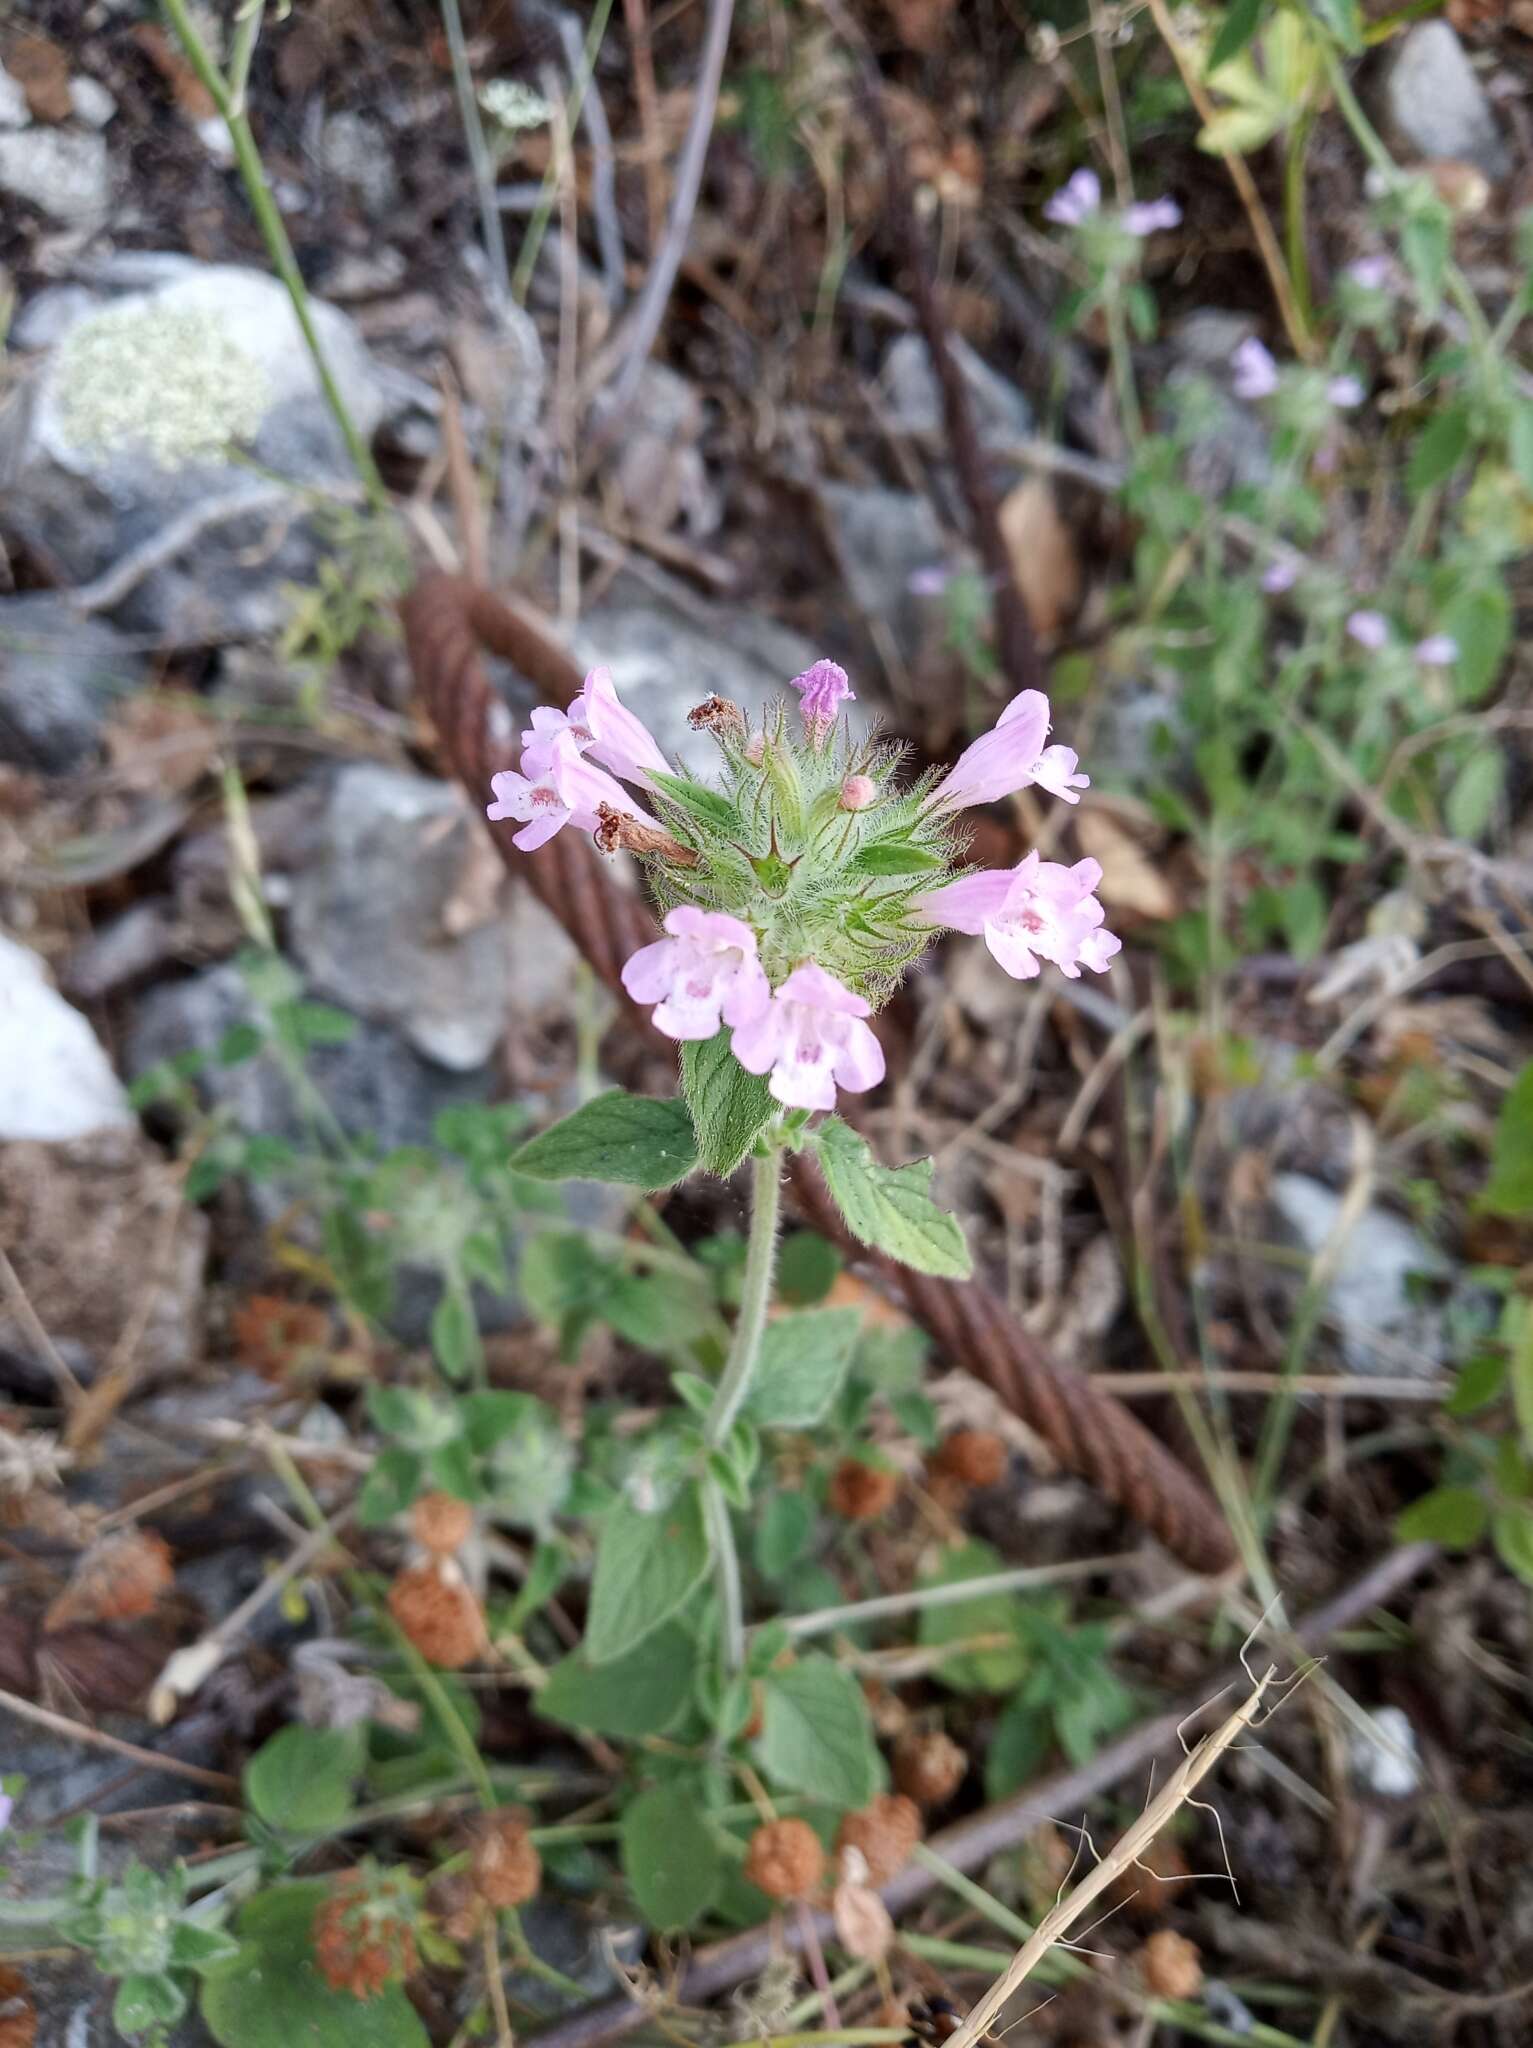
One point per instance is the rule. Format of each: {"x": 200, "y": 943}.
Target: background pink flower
{"x": 811, "y": 1037}
{"x": 706, "y": 972}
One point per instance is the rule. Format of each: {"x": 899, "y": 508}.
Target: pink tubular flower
{"x": 705, "y": 973}
{"x": 619, "y": 740}
{"x": 1038, "y": 910}
{"x": 1076, "y": 201}
{"x": 810, "y": 1037}
{"x": 1256, "y": 370}
{"x": 1368, "y": 629}
{"x": 822, "y": 690}
{"x": 1438, "y": 650}
{"x": 562, "y": 788}
{"x": 1011, "y": 756}
{"x": 1150, "y": 214}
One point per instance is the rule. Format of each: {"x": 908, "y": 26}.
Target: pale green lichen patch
{"x": 168, "y": 382}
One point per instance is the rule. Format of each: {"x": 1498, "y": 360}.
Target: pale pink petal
{"x": 620, "y": 740}
{"x": 1098, "y": 948}
{"x": 1000, "y": 761}
{"x": 755, "y": 1042}
{"x": 716, "y": 926}
{"x": 647, "y": 974}
{"x": 542, "y": 829}
{"x": 513, "y": 796}
{"x": 964, "y": 905}
{"x": 746, "y": 995}
{"x": 1011, "y": 951}
{"x": 813, "y": 988}
{"x": 859, "y": 1060}
{"x": 689, "y": 1011}
{"x": 1055, "y": 771}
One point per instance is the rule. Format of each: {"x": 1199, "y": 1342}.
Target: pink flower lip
{"x": 1438, "y": 650}
{"x": 811, "y": 1038}
{"x": 704, "y": 974}
{"x": 1256, "y": 370}
{"x": 1149, "y": 215}
{"x": 1076, "y": 200}
{"x": 1369, "y": 629}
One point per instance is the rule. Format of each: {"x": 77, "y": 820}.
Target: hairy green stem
{"x": 253, "y": 176}
{"x": 755, "y": 1299}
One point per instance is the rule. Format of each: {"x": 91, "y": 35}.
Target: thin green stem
{"x": 253, "y": 176}
{"x": 247, "y": 31}
{"x": 1295, "y": 232}
{"x": 755, "y": 1299}
{"x": 1122, "y": 362}
{"x": 480, "y": 160}
{"x": 726, "y": 1574}
{"x": 537, "y": 226}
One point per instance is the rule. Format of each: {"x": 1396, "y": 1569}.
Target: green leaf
{"x": 455, "y": 1334}
{"x": 701, "y": 803}
{"x": 1021, "y": 1740}
{"x": 193, "y": 1947}
{"x": 302, "y": 1779}
{"x": 272, "y": 1996}
{"x": 147, "y": 2000}
{"x": 889, "y": 1207}
{"x": 801, "y": 1367}
{"x": 816, "y": 1736}
{"x": 1519, "y": 441}
{"x": 1478, "y": 1384}
{"x": 1426, "y": 240}
{"x": 894, "y": 857}
{"x": 807, "y": 1265}
{"x": 1236, "y": 30}
{"x": 729, "y": 1107}
{"x": 1510, "y": 1189}
{"x": 1452, "y": 1515}
{"x": 1476, "y": 791}
{"x": 782, "y": 1536}
{"x": 1342, "y": 18}
{"x": 1236, "y": 131}
{"x": 1521, "y": 1370}
{"x": 672, "y": 1857}
{"x": 316, "y": 1024}
{"x": 646, "y": 1565}
{"x": 642, "y": 1693}
{"x": 1440, "y": 447}
{"x": 998, "y": 1669}
{"x": 1512, "y": 1534}
{"x": 1479, "y": 618}
{"x": 635, "y": 1140}
{"x": 390, "y": 1487}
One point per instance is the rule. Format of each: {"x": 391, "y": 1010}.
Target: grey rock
{"x": 1436, "y": 105}
{"x": 881, "y": 539}
{"x": 575, "y": 1945}
{"x": 65, "y": 175}
{"x": 14, "y": 111}
{"x": 375, "y": 1086}
{"x": 373, "y": 915}
{"x": 357, "y": 151}
{"x": 1001, "y": 411}
{"x": 668, "y": 653}
{"x": 1382, "y": 1327}
{"x": 55, "y": 1080}
{"x": 60, "y": 674}
{"x": 91, "y": 101}
{"x": 85, "y": 508}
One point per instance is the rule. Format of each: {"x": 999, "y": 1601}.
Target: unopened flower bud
{"x": 620, "y": 831}
{"x": 755, "y": 749}
{"x": 858, "y": 792}
{"x": 724, "y": 720}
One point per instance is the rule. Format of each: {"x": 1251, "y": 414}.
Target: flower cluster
{"x": 1080, "y": 200}
{"x": 796, "y": 891}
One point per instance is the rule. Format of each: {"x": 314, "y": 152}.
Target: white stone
{"x": 91, "y": 101}
{"x": 14, "y": 111}
{"x": 55, "y": 1080}
{"x": 65, "y": 175}
{"x": 1382, "y": 1329}
{"x": 1384, "y": 1757}
{"x": 1436, "y": 104}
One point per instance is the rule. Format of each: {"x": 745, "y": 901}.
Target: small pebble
{"x": 1386, "y": 1762}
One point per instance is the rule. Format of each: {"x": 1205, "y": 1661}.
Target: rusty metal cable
{"x": 447, "y": 620}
